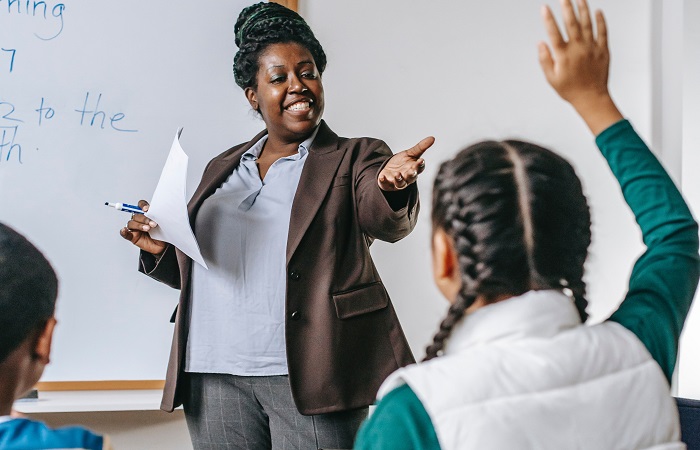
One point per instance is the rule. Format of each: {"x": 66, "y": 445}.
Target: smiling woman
{"x": 289, "y": 97}
{"x": 267, "y": 341}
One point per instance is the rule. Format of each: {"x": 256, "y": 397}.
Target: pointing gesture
{"x": 403, "y": 168}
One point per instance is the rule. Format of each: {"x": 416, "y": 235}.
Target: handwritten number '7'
{"x": 12, "y": 58}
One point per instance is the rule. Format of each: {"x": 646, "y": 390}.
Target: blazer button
{"x": 296, "y": 315}
{"x": 294, "y": 275}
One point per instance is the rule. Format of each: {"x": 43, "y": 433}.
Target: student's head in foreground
{"x": 508, "y": 217}
{"x": 28, "y": 290}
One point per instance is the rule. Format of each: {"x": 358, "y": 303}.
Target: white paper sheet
{"x": 168, "y": 206}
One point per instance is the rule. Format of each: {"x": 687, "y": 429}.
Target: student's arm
{"x": 577, "y": 69}
{"x": 664, "y": 278}
{"x": 398, "y": 423}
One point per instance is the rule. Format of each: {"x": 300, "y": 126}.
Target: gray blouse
{"x": 237, "y": 310}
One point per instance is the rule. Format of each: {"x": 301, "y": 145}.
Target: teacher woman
{"x": 285, "y": 340}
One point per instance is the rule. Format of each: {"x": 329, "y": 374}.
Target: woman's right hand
{"x": 136, "y": 231}
{"x": 577, "y": 68}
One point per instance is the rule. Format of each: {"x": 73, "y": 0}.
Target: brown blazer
{"x": 342, "y": 334}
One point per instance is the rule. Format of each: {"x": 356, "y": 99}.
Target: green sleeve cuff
{"x": 400, "y": 422}
{"x": 613, "y": 132}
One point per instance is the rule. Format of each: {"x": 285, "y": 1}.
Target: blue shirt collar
{"x": 254, "y": 152}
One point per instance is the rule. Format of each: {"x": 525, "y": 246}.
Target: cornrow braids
{"x": 561, "y": 222}
{"x": 519, "y": 221}
{"x": 263, "y": 24}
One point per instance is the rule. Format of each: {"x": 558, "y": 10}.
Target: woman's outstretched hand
{"x": 403, "y": 168}
{"x": 136, "y": 231}
{"x": 577, "y": 68}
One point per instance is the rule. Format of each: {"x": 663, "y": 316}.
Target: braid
{"x": 472, "y": 193}
{"x": 561, "y": 222}
{"x": 263, "y": 24}
{"x": 578, "y": 289}
{"x": 519, "y": 221}
{"x": 454, "y": 315}
{"x": 466, "y": 296}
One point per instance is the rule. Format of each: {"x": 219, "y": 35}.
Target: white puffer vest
{"x": 525, "y": 374}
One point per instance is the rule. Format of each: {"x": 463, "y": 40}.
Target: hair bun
{"x": 263, "y": 24}
{"x": 255, "y": 19}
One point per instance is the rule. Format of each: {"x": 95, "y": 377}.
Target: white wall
{"x": 465, "y": 71}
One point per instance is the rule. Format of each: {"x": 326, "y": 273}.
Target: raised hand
{"x": 578, "y": 68}
{"x": 403, "y": 168}
{"x": 136, "y": 231}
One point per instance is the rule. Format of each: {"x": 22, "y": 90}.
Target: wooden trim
{"x": 291, "y": 4}
{"x": 107, "y": 385}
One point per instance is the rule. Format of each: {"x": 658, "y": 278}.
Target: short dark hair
{"x": 519, "y": 221}
{"x": 263, "y": 24}
{"x": 28, "y": 290}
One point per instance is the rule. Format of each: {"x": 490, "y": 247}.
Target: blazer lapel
{"x": 316, "y": 178}
{"x": 214, "y": 176}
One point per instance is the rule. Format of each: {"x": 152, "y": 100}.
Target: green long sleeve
{"x": 664, "y": 278}
{"x": 400, "y": 422}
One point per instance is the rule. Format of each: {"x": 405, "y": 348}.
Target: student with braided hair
{"x": 513, "y": 365}
{"x": 285, "y": 340}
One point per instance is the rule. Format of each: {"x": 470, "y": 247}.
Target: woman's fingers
{"x": 143, "y": 204}
{"x": 417, "y": 150}
{"x": 127, "y": 234}
{"x": 403, "y": 168}
{"x": 140, "y": 222}
{"x": 139, "y": 225}
{"x": 392, "y": 183}
{"x": 137, "y": 228}
{"x": 400, "y": 177}
{"x": 142, "y": 240}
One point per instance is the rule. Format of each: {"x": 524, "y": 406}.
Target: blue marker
{"x": 125, "y": 207}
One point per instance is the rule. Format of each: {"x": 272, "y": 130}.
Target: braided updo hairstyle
{"x": 263, "y": 24}
{"x": 519, "y": 221}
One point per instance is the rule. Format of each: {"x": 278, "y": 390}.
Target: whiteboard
{"x": 91, "y": 95}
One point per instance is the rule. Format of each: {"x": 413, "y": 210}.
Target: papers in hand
{"x": 168, "y": 206}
